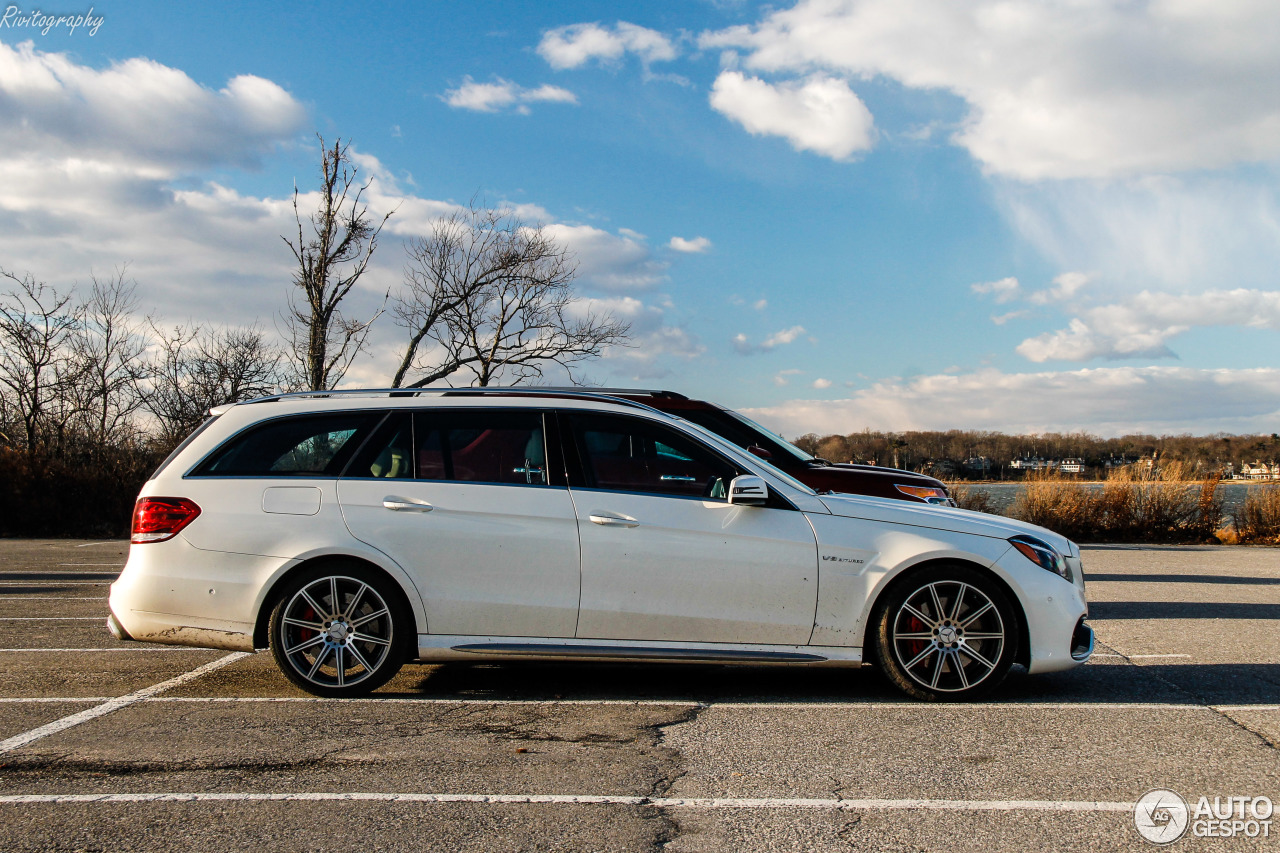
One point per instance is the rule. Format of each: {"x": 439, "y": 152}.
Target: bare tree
{"x": 495, "y": 296}
{"x": 107, "y": 364}
{"x": 331, "y": 259}
{"x": 36, "y": 325}
{"x": 194, "y": 369}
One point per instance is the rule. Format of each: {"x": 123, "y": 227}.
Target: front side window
{"x": 304, "y": 446}
{"x": 632, "y": 455}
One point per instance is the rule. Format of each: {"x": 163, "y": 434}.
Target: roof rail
{"x": 494, "y": 391}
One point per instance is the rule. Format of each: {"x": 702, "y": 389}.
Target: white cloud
{"x": 1004, "y": 290}
{"x": 655, "y": 342}
{"x": 822, "y": 384}
{"x": 1107, "y": 401}
{"x": 1155, "y": 233}
{"x": 760, "y": 304}
{"x": 694, "y": 246}
{"x": 783, "y": 377}
{"x": 502, "y": 94}
{"x": 607, "y": 262}
{"x": 820, "y": 114}
{"x": 1001, "y": 319}
{"x": 578, "y": 44}
{"x": 1142, "y": 326}
{"x": 137, "y": 111}
{"x": 744, "y": 346}
{"x": 1065, "y": 288}
{"x": 1055, "y": 89}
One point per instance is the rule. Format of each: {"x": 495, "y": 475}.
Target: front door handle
{"x": 406, "y": 504}
{"x": 613, "y": 521}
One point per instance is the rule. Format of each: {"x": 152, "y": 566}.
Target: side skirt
{"x": 437, "y": 648}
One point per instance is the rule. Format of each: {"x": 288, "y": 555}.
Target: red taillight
{"x": 158, "y": 519}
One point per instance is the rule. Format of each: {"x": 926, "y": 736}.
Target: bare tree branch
{"x": 495, "y": 295}
{"x": 36, "y": 324}
{"x": 331, "y": 260}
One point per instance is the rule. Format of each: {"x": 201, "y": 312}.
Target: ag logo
{"x": 1161, "y": 816}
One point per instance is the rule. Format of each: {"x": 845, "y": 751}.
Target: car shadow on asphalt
{"x": 1095, "y": 683}
{"x": 1100, "y": 610}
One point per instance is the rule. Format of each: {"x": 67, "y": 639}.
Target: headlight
{"x": 1042, "y": 554}
{"x": 928, "y": 494}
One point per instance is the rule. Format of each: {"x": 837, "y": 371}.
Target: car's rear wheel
{"x": 339, "y": 631}
{"x": 946, "y": 633}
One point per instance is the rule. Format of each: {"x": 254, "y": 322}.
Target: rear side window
{"x": 304, "y": 446}
{"x": 482, "y": 446}
{"x": 489, "y": 445}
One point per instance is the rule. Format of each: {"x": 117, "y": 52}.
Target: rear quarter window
{"x": 300, "y": 446}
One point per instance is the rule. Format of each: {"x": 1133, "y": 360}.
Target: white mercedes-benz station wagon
{"x": 351, "y": 532}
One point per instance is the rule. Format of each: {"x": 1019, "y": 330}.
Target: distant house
{"x": 1118, "y": 462}
{"x": 1030, "y": 463}
{"x": 1259, "y": 470}
{"x": 978, "y": 465}
{"x": 1071, "y": 465}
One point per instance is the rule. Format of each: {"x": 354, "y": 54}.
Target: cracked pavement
{"x": 1185, "y": 694}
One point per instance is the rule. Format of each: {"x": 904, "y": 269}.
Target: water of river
{"x": 1004, "y": 494}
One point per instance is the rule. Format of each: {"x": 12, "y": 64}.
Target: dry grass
{"x": 1258, "y": 521}
{"x": 968, "y": 497}
{"x": 1168, "y": 506}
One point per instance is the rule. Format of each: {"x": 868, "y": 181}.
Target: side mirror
{"x": 757, "y": 450}
{"x": 748, "y": 490}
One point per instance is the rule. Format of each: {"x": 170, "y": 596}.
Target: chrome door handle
{"x": 406, "y": 504}
{"x": 678, "y": 478}
{"x": 614, "y": 521}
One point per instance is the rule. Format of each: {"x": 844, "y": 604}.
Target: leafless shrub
{"x": 972, "y": 497}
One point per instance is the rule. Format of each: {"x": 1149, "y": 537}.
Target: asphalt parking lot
{"x": 120, "y": 746}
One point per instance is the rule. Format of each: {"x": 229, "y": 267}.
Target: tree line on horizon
{"x": 925, "y": 450}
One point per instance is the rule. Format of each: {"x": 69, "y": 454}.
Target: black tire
{"x": 350, "y": 649}
{"x": 945, "y": 633}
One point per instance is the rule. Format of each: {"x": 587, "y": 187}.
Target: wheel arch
{"x": 261, "y": 639}
{"x": 903, "y": 576}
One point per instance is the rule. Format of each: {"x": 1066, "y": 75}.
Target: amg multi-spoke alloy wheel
{"x": 946, "y": 633}
{"x": 338, "y": 632}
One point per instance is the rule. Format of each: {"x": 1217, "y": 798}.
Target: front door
{"x": 665, "y": 556}
{"x": 461, "y": 499}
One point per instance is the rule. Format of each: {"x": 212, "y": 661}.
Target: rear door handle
{"x": 406, "y": 504}
{"x": 613, "y": 521}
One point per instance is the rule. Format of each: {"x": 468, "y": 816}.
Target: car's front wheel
{"x": 339, "y": 631}
{"x": 946, "y": 633}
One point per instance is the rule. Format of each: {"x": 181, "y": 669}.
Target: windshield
{"x": 755, "y": 460}
{"x": 782, "y": 442}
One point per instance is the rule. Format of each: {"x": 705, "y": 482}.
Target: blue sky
{"x": 891, "y": 214}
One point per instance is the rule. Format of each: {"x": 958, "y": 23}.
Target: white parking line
{"x": 115, "y": 704}
{"x": 107, "y": 542}
{"x": 55, "y": 582}
{"x": 50, "y": 598}
{"x": 1135, "y": 657}
{"x": 112, "y": 565}
{"x": 54, "y": 700}
{"x": 50, "y": 618}
{"x": 696, "y": 703}
{"x": 772, "y": 803}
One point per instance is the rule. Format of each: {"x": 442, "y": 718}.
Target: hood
{"x": 942, "y": 518}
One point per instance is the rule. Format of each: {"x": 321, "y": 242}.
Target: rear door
{"x": 665, "y": 556}
{"x": 464, "y": 500}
